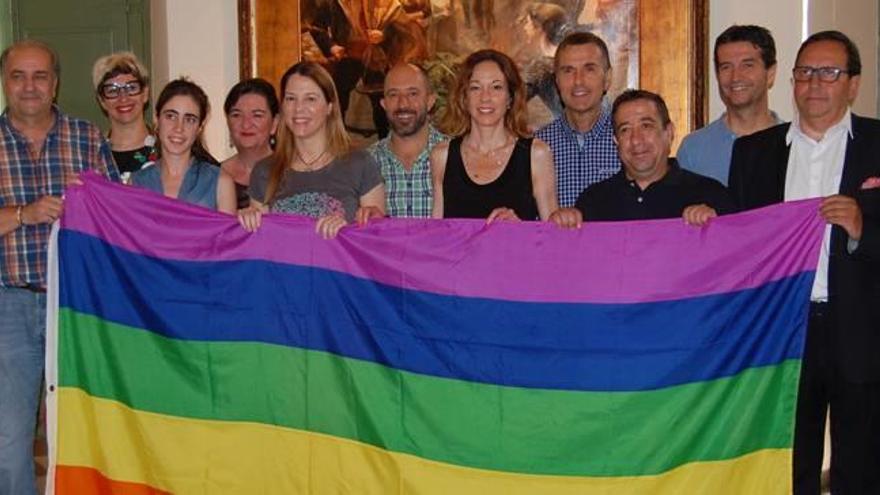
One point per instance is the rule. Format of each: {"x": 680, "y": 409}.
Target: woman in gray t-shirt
{"x": 312, "y": 171}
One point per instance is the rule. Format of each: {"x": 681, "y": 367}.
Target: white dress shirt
{"x": 814, "y": 170}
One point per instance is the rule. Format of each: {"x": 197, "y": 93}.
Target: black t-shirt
{"x": 619, "y": 198}
{"x": 133, "y": 160}
{"x": 464, "y": 198}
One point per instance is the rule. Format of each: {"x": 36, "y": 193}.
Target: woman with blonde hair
{"x": 493, "y": 169}
{"x": 313, "y": 171}
{"x": 122, "y": 90}
{"x": 185, "y": 170}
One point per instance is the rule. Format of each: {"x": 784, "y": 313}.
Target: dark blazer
{"x": 757, "y": 178}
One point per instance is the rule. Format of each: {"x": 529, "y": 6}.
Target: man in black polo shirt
{"x": 651, "y": 185}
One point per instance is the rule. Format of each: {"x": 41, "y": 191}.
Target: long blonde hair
{"x": 457, "y": 122}
{"x": 338, "y": 141}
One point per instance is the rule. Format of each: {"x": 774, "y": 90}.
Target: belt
{"x": 819, "y": 308}
{"x": 34, "y": 288}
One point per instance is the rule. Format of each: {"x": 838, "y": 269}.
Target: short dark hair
{"x": 29, "y": 43}
{"x": 582, "y": 38}
{"x": 640, "y": 94}
{"x": 853, "y": 60}
{"x": 255, "y": 86}
{"x": 756, "y": 35}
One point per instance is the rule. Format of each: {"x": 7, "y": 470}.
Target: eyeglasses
{"x": 804, "y": 73}
{"x": 111, "y": 91}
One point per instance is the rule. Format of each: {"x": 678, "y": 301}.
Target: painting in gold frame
{"x": 672, "y": 49}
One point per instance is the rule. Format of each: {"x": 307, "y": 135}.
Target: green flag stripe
{"x": 468, "y": 424}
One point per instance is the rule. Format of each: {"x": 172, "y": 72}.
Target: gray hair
{"x": 29, "y": 43}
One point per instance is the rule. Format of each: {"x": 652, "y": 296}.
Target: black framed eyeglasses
{"x": 803, "y": 73}
{"x": 111, "y": 91}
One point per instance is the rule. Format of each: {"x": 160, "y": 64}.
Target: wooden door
{"x": 81, "y": 31}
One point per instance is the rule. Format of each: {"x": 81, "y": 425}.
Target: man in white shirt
{"x": 831, "y": 153}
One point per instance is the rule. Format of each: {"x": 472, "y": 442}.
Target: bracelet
{"x": 18, "y": 210}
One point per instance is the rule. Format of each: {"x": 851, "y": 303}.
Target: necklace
{"x": 490, "y": 155}
{"x": 309, "y": 164}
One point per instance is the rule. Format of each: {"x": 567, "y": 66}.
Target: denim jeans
{"x": 22, "y": 349}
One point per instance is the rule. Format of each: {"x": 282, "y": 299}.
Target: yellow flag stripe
{"x": 185, "y": 456}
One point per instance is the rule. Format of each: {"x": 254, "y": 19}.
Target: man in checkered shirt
{"x": 41, "y": 151}
{"x": 404, "y": 156}
{"x": 582, "y": 138}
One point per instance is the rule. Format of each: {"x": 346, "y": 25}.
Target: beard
{"x": 406, "y": 129}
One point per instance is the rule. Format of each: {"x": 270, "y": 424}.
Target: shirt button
{"x": 639, "y": 199}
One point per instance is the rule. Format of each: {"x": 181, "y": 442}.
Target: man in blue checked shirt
{"x": 41, "y": 151}
{"x": 582, "y": 138}
{"x": 403, "y": 156}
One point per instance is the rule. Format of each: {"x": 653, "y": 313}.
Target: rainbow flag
{"x": 422, "y": 357}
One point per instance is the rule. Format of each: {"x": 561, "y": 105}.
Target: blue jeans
{"x": 22, "y": 349}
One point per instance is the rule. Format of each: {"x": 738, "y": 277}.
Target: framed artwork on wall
{"x": 659, "y": 45}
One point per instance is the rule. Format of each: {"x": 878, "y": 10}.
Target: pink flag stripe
{"x": 619, "y": 262}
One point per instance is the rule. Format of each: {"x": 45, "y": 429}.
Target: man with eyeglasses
{"x": 829, "y": 152}
{"x": 41, "y": 151}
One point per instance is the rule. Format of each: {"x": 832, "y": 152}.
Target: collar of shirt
{"x": 383, "y": 147}
{"x": 6, "y": 123}
{"x": 671, "y": 177}
{"x": 722, "y": 122}
{"x": 795, "y": 132}
{"x": 602, "y": 123}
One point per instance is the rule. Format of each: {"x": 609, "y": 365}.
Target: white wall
{"x": 858, "y": 19}
{"x": 198, "y": 39}
{"x": 784, "y": 19}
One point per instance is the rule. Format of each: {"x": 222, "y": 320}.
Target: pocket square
{"x": 871, "y": 183}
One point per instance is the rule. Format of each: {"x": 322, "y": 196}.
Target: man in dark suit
{"x": 829, "y": 152}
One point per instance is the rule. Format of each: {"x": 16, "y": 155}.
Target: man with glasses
{"x": 41, "y": 151}
{"x": 745, "y": 66}
{"x": 832, "y": 153}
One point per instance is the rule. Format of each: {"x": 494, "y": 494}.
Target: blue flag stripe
{"x": 537, "y": 345}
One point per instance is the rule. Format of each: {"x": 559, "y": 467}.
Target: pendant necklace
{"x": 309, "y": 164}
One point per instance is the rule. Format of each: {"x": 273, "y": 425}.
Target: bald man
{"x": 403, "y": 156}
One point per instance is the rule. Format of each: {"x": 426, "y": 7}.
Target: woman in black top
{"x": 122, "y": 89}
{"x": 251, "y": 109}
{"x": 492, "y": 169}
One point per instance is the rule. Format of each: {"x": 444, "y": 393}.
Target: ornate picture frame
{"x": 672, "y": 41}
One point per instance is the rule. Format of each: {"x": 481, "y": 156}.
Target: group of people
{"x": 594, "y": 162}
